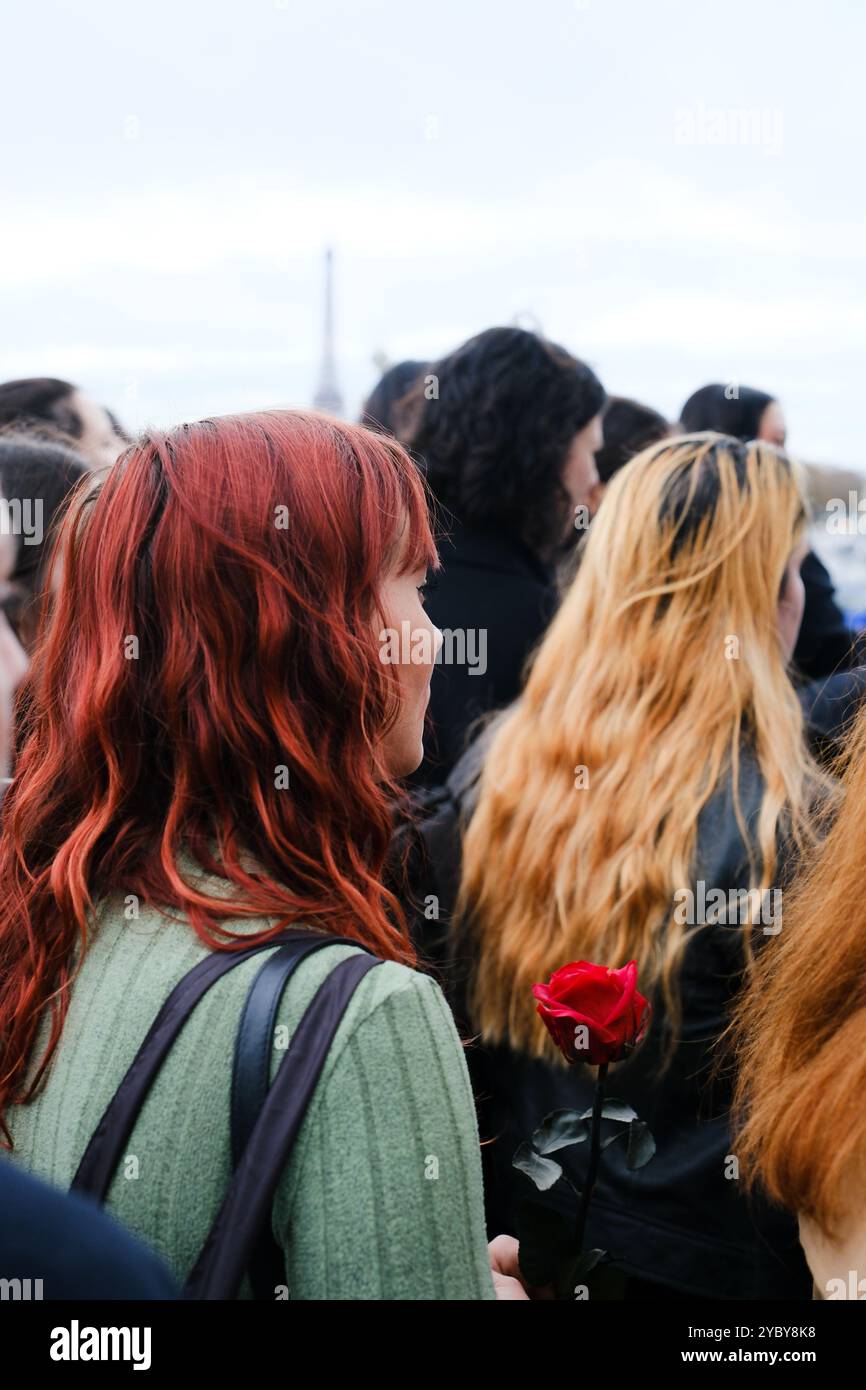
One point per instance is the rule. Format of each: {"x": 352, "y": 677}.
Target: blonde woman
{"x": 802, "y": 1054}
{"x": 642, "y": 801}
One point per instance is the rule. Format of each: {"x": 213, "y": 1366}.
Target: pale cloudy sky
{"x": 172, "y": 171}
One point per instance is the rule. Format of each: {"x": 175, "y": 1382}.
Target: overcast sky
{"x": 674, "y": 190}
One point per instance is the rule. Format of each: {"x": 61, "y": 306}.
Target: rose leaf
{"x": 613, "y": 1110}
{"x": 543, "y": 1171}
{"x": 559, "y": 1129}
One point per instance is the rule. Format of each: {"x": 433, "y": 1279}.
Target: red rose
{"x": 593, "y": 1014}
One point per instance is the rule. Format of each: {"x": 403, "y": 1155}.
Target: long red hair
{"x": 215, "y": 623}
{"x": 800, "y": 1028}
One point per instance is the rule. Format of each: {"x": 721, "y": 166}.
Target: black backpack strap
{"x": 250, "y": 1080}
{"x": 103, "y": 1153}
{"x": 255, "y": 1036}
{"x": 228, "y": 1248}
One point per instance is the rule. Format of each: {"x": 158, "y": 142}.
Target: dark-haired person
{"x": 37, "y": 478}
{"x": 67, "y": 409}
{"x": 628, "y": 427}
{"x": 737, "y": 410}
{"x": 826, "y": 644}
{"x": 508, "y": 440}
{"x": 209, "y": 755}
{"x": 382, "y": 409}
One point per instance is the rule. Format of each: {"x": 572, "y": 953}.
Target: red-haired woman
{"x": 801, "y": 1034}
{"x": 210, "y": 745}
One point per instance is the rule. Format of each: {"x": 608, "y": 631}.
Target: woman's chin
{"x": 403, "y": 756}
{"x": 413, "y": 759}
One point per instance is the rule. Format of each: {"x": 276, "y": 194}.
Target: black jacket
{"x": 74, "y": 1249}
{"x": 491, "y": 584}
{"x": 825, "y": 643}
{"x": 678, "y": 1221}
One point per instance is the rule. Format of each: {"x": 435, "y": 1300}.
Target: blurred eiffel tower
{"x": 328, "y": 397}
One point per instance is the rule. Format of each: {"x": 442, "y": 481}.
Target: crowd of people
{"x": 627, "y": 681}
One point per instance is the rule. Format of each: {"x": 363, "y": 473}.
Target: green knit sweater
{"x": 382, "y": 1195}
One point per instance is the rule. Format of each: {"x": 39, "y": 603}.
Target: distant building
{"x": 328, "y": 397}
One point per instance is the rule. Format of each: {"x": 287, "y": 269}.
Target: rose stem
{"x": 594, "y": 1150}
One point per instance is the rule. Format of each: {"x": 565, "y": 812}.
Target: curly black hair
{"x": 492, "y": 424}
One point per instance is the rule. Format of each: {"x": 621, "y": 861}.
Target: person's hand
{"x": 504, "y": 1266}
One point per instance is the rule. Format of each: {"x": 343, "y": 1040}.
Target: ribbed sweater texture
{"x": 382, "y": 1195}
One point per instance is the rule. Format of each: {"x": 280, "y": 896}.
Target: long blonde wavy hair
{"x": 663, "y": 657}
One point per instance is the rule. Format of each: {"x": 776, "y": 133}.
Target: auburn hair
{"x": 213, "y": 638}
{"x": 631, "y": 689}
{"x": 799, "y": 1032}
